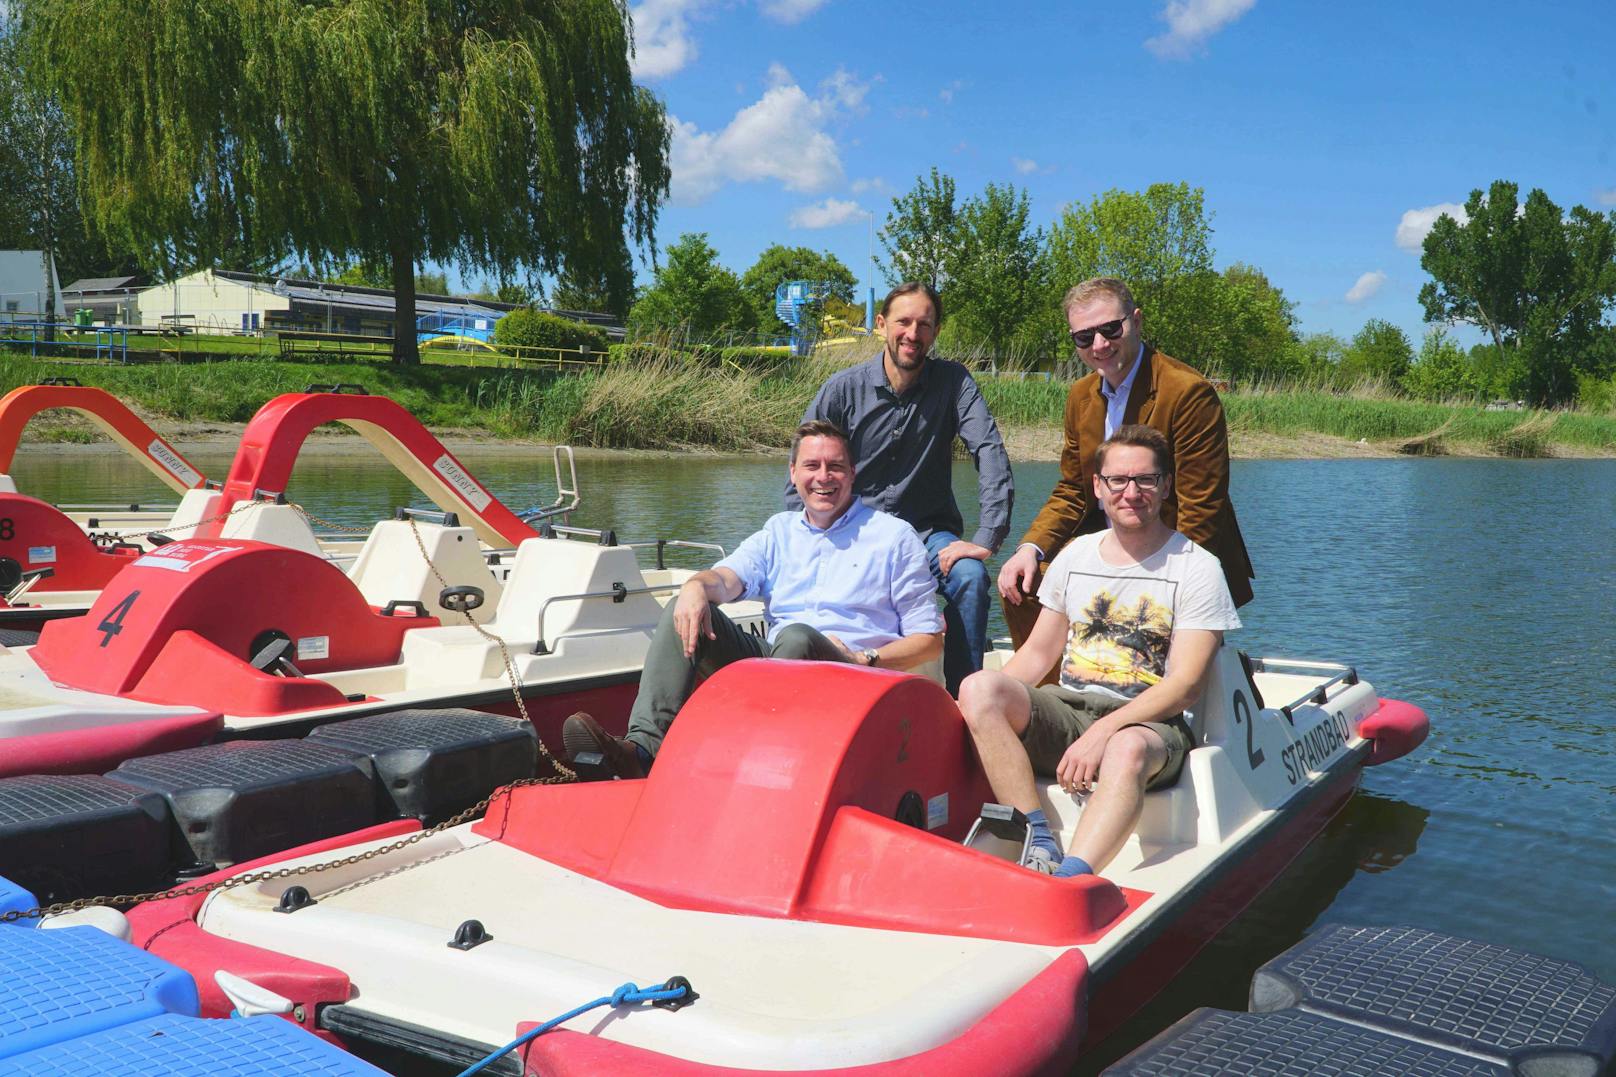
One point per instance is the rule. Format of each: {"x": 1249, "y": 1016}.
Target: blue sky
{"x": 1326, "y": 135}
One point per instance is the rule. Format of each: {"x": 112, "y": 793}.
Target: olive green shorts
{"x": 1060, "y": 716}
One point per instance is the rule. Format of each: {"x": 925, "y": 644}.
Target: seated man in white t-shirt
{"x": 1139, "y": 611}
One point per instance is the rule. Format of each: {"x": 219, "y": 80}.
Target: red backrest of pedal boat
{"x": 775, "y": 794}
{"x": 39, "y": 535}
{"x": 179, "y": 624}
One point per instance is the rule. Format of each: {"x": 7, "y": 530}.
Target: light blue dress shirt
{"x": 1116, "y": 400}
{"x": 864, "y": 579}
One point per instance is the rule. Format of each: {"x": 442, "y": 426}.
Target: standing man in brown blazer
{"x": 1129, "y": 382}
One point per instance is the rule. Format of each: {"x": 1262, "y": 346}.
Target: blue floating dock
{"x": 1368, "y": 1000}
{"x": 76, "y": 1001}
{"x": 175, "y": 1046}
{"x": 14, "y": 898}
{"x": 73, "y": 981}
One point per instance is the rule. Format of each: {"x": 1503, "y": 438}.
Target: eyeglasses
{"x": 1147, "y": 482}
{"x": 1084, "y": 338}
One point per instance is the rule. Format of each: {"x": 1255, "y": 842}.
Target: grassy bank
{"x": 674, "y": 406}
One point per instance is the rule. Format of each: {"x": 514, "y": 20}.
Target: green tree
{"x": 778, "y": 264}
{"x": 1379, "y": 350}
{"x": 1538, "y": 281}
{"x": 1250, "y": 329}
{"x": 36, "y": 167}
{"x": 692, "y": 292}
{"x": 996, "y": 280}
{"x": 601, "y": 287}
{"x": 1158, "y": 241}
{"x": 919, "y": 235}
{"x": 1442, "y": 370}
{"x": 493, "y": 135}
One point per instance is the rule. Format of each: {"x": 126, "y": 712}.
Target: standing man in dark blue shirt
{"x": 902, "y": 411}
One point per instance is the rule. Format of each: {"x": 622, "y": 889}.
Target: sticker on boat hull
{"x": 1314, "y": 749}
{"x": 312, "y": 648}
{"x": 937, "y": 811}
{"x": 41, "y": 555}
{"x": 174, "y": 465}
{"x": 181, "y": 556}
{"x": 464, "y": 484}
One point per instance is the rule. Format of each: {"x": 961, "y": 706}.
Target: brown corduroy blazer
{"x": 1174, "y": 398}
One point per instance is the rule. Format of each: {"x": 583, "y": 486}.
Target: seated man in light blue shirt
{"x": 840, "y": 582}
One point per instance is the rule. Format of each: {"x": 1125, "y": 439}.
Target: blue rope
{"x": 626, "y": 995}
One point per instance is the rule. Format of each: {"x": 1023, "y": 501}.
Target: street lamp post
{"x": 869, "y": 303}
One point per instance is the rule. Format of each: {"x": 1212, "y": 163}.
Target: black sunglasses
{"x": 1084, "y": 338}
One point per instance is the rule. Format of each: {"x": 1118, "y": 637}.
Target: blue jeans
{"x": 965, "y": 611}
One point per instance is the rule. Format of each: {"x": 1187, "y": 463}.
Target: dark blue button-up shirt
{"x": 903, "y": 446}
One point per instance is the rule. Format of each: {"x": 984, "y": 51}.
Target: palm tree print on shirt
{"x": 1123, "y": 647}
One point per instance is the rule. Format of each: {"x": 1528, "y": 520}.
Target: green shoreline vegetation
{"x": 660, "y": 404}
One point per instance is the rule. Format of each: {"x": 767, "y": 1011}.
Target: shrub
{"x": 527, "y": 328}
{"x": 755, "y": 358}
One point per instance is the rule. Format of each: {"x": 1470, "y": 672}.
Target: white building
{"x": 23, "y": 286}
{"x": 227, "y": 300}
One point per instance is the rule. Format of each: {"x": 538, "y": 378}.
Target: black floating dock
{"x": 431, "y": 764}
{"x": 244, "y": 799}
{"x": 1398, "y": 1000}
{"x": 67, "y": 836}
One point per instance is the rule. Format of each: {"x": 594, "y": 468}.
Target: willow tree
{"x": 504, "y": 136}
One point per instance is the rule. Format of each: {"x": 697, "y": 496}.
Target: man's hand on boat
{"x": 692, "y": 610}
{"x": 1017, "y": 574}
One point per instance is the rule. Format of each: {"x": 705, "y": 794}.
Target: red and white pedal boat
{"x": 36, "y": 535}
{"x": 84, "y": 549}
{"x": 796, "y": 854}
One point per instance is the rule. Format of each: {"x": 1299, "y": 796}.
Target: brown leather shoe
{"x": 581, "y": 733}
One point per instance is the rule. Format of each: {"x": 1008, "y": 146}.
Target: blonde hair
{"x": 1098, "y": 286}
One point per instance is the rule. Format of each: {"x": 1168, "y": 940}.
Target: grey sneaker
{"x": 1041, "y": 860}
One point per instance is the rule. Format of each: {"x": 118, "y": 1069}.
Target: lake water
{"x": 1482, "y": 590}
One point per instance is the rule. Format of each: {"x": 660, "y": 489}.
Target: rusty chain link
{"x": 562, "y": 775}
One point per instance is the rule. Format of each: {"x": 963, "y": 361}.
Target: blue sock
{"x": 1042, "y": 837}
{"x": 644, "y": 757}
{"x": 1072, "y": 865}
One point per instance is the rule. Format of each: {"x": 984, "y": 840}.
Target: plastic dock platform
{"x": 1354, "y": 1001}
{"x": 77, "y": 1001}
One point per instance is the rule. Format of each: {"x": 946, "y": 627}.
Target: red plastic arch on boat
{"x": 1035, "y": 1031}
{"x": 270, "y": 444}
{"x": 35, "y": 534}
{"x": 803, "y": 766}
{"x": 109, "y": 413}
{"x": 179, "y": 626}
{"x": 1396, "y": 728}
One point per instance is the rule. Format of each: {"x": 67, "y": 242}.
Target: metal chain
{"x": 563, "y": 775}
{"x": 125, "y": 536}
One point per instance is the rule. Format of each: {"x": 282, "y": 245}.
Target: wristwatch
{"x": 871, "y": 657}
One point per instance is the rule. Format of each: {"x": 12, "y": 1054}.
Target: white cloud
{"x": 1023, "y": 165}
{"x": 1366, "y": 287}
{"x": 1416, "y": 224}
{"x": 1191, "y": 22}
{"x": 873, "y": 183}
{"x": 846, "y": 89}
{"x": 946, "y": 94}
{"x": 911, "y": 112}
{"x": 779, "y": 75}
{"x": 781, "y": 136}
{"x": 790, "y": 11}
{"x": 662, "y": 41}
{"x": 1606, "y": 197}
{"x": 827, "y": 214}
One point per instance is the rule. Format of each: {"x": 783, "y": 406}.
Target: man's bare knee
{"x": 1128, "y": 754}
{"x": 985, "y": 699}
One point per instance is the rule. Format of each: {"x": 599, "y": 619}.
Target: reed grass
{"x": 665, "y": 402}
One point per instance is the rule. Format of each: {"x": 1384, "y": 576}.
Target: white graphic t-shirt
{"x": 1122, "y": 617}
